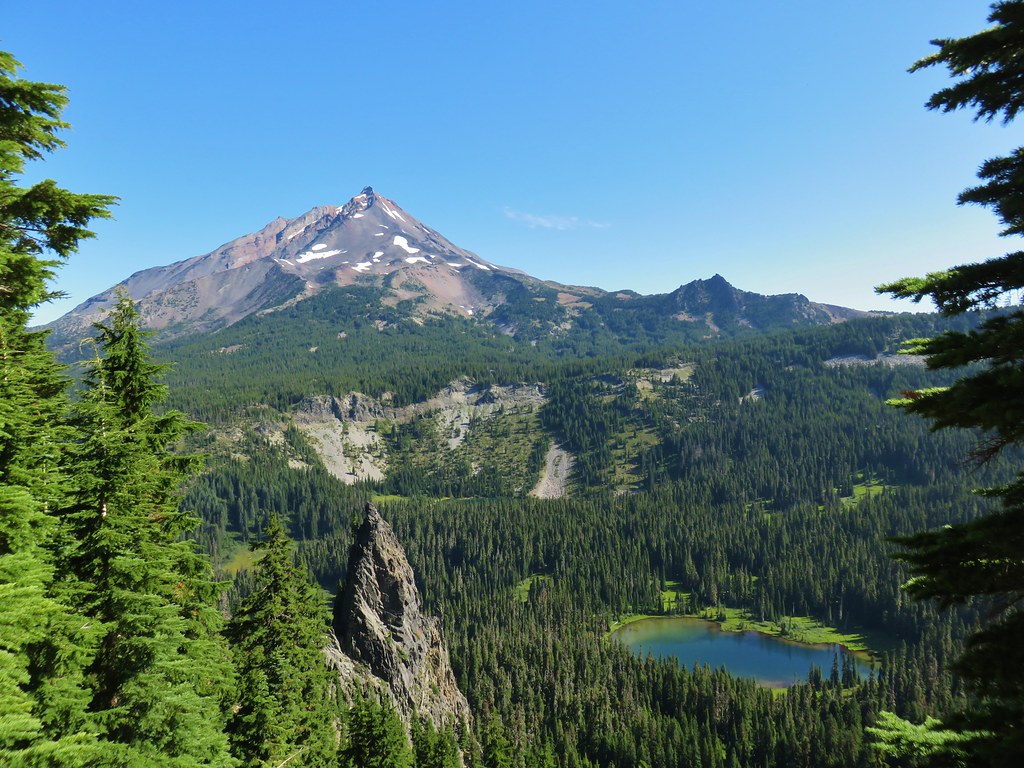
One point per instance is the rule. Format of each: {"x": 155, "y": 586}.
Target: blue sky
{"x": 625, "y": 145}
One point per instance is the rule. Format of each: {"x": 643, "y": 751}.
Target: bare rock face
{"x": 317, "y": 408}
{"x": 358, "y": 407}
{"x": 382, "y": 632}
{"x": 368, "y": 240}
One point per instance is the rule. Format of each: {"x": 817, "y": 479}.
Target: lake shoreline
{"x": 798, "y": 629}
{"x": 774, "y": 661}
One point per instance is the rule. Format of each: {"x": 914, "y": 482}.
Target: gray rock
{"x": 381, "y": 632}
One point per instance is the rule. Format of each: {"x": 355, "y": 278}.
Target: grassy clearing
{"x": 680, "y": 374}
{"x": 521, "y": 591}
{"x": 626, "y": 448}
{"x": 384, "y": 498}
{"x": 863, "y": 491}
{"x": 617, "y": 624}
{"x": 645, "y": 390}
{"x": 804, "y": 629}
{"x": 866, "y": 487}
{"x": 240, "y": 558}
{"x": 672, "y": 595}
{"x": 677, "y": 375}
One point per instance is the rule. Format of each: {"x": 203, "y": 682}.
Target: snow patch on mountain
{"x": 393, "y": 214}
{"x": 302, "y": 258}
{"x": 402, "y": 243}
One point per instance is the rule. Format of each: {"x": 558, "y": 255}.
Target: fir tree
{"x": 981, "y": 558}
{"x": 375, "y": 737}
{"x": 161, "y": 671}
{"x": 43, "y": 644}
{"x": 284, "y": 710}
{"x": 433, "y": 748}
{"x": 497, "y": 752}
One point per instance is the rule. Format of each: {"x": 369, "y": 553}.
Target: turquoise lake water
{"x": 772, "y": 661}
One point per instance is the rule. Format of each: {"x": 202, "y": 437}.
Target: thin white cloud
{"x": 551, "y": 221}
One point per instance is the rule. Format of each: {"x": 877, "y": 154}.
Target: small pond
{"x": 773, "y": 661}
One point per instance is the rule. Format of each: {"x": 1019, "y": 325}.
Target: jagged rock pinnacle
{"x": 380, "y": 627}
{"x": 372, "y": 515}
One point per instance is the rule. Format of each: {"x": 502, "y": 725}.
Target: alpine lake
{"x": 774, "y": 662}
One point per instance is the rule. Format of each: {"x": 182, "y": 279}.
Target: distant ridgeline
{"x": 409, "y": 271}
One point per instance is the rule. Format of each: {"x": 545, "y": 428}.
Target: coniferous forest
{"x": 173, "y": 532}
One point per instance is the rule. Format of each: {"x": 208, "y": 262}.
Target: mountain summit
{"x": 367, "y": 239}
{"x": 371, "y": 242}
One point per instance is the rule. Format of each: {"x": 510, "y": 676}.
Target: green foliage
{"x": 160, "y": 672}
{"x": 750, "y": 510}
{"x": 375, "y": 737}
{"x": 44, "y": 644}
{"x": 433, "y": 748}
{"x": 497, "y": 752}
{"x": 365, "y": 346}
{"x": 908, "y": 745}
{"x": 500, "y": 454}
{"x": 236, "y": 496}
{"x": 981, "y": 558}
{"x": 986, "y": 66}
{"x": 41, "y": 218}
{"x": 361, "y": 346}
{"x": 284, "y": 708}
{"x": 734, "y": 500}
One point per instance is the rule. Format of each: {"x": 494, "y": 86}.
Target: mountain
{"x": 367, "y": 240}
{"x": 719, "y": 305}
{"x": 372, "y": 242}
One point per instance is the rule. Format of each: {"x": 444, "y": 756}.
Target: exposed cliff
{"x": 384, "y": 639}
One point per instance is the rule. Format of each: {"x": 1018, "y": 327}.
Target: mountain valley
{"x": 343, "y": 493}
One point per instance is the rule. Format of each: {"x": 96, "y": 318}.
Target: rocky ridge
{"x": 342, "y": 430}
{"x": 382, "y": 638}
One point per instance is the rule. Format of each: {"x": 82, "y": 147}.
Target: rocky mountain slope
{"x": 382, "y": 637}
{"x": 368, "y": 240}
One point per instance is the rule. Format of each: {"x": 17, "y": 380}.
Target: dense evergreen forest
{"x": 781, "y": 505}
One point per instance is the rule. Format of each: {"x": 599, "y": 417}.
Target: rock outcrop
{"x": 382, "y": 637}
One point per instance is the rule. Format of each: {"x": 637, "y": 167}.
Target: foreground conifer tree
{"x": 285, "y": 710}
{"x": 984, "y": 558}
{"x": 43, "y": 644}
{"x": 375, "y": 737}
{"x": 161, "y": 670}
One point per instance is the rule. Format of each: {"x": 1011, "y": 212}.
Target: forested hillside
{"x": 758, "y": 478}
